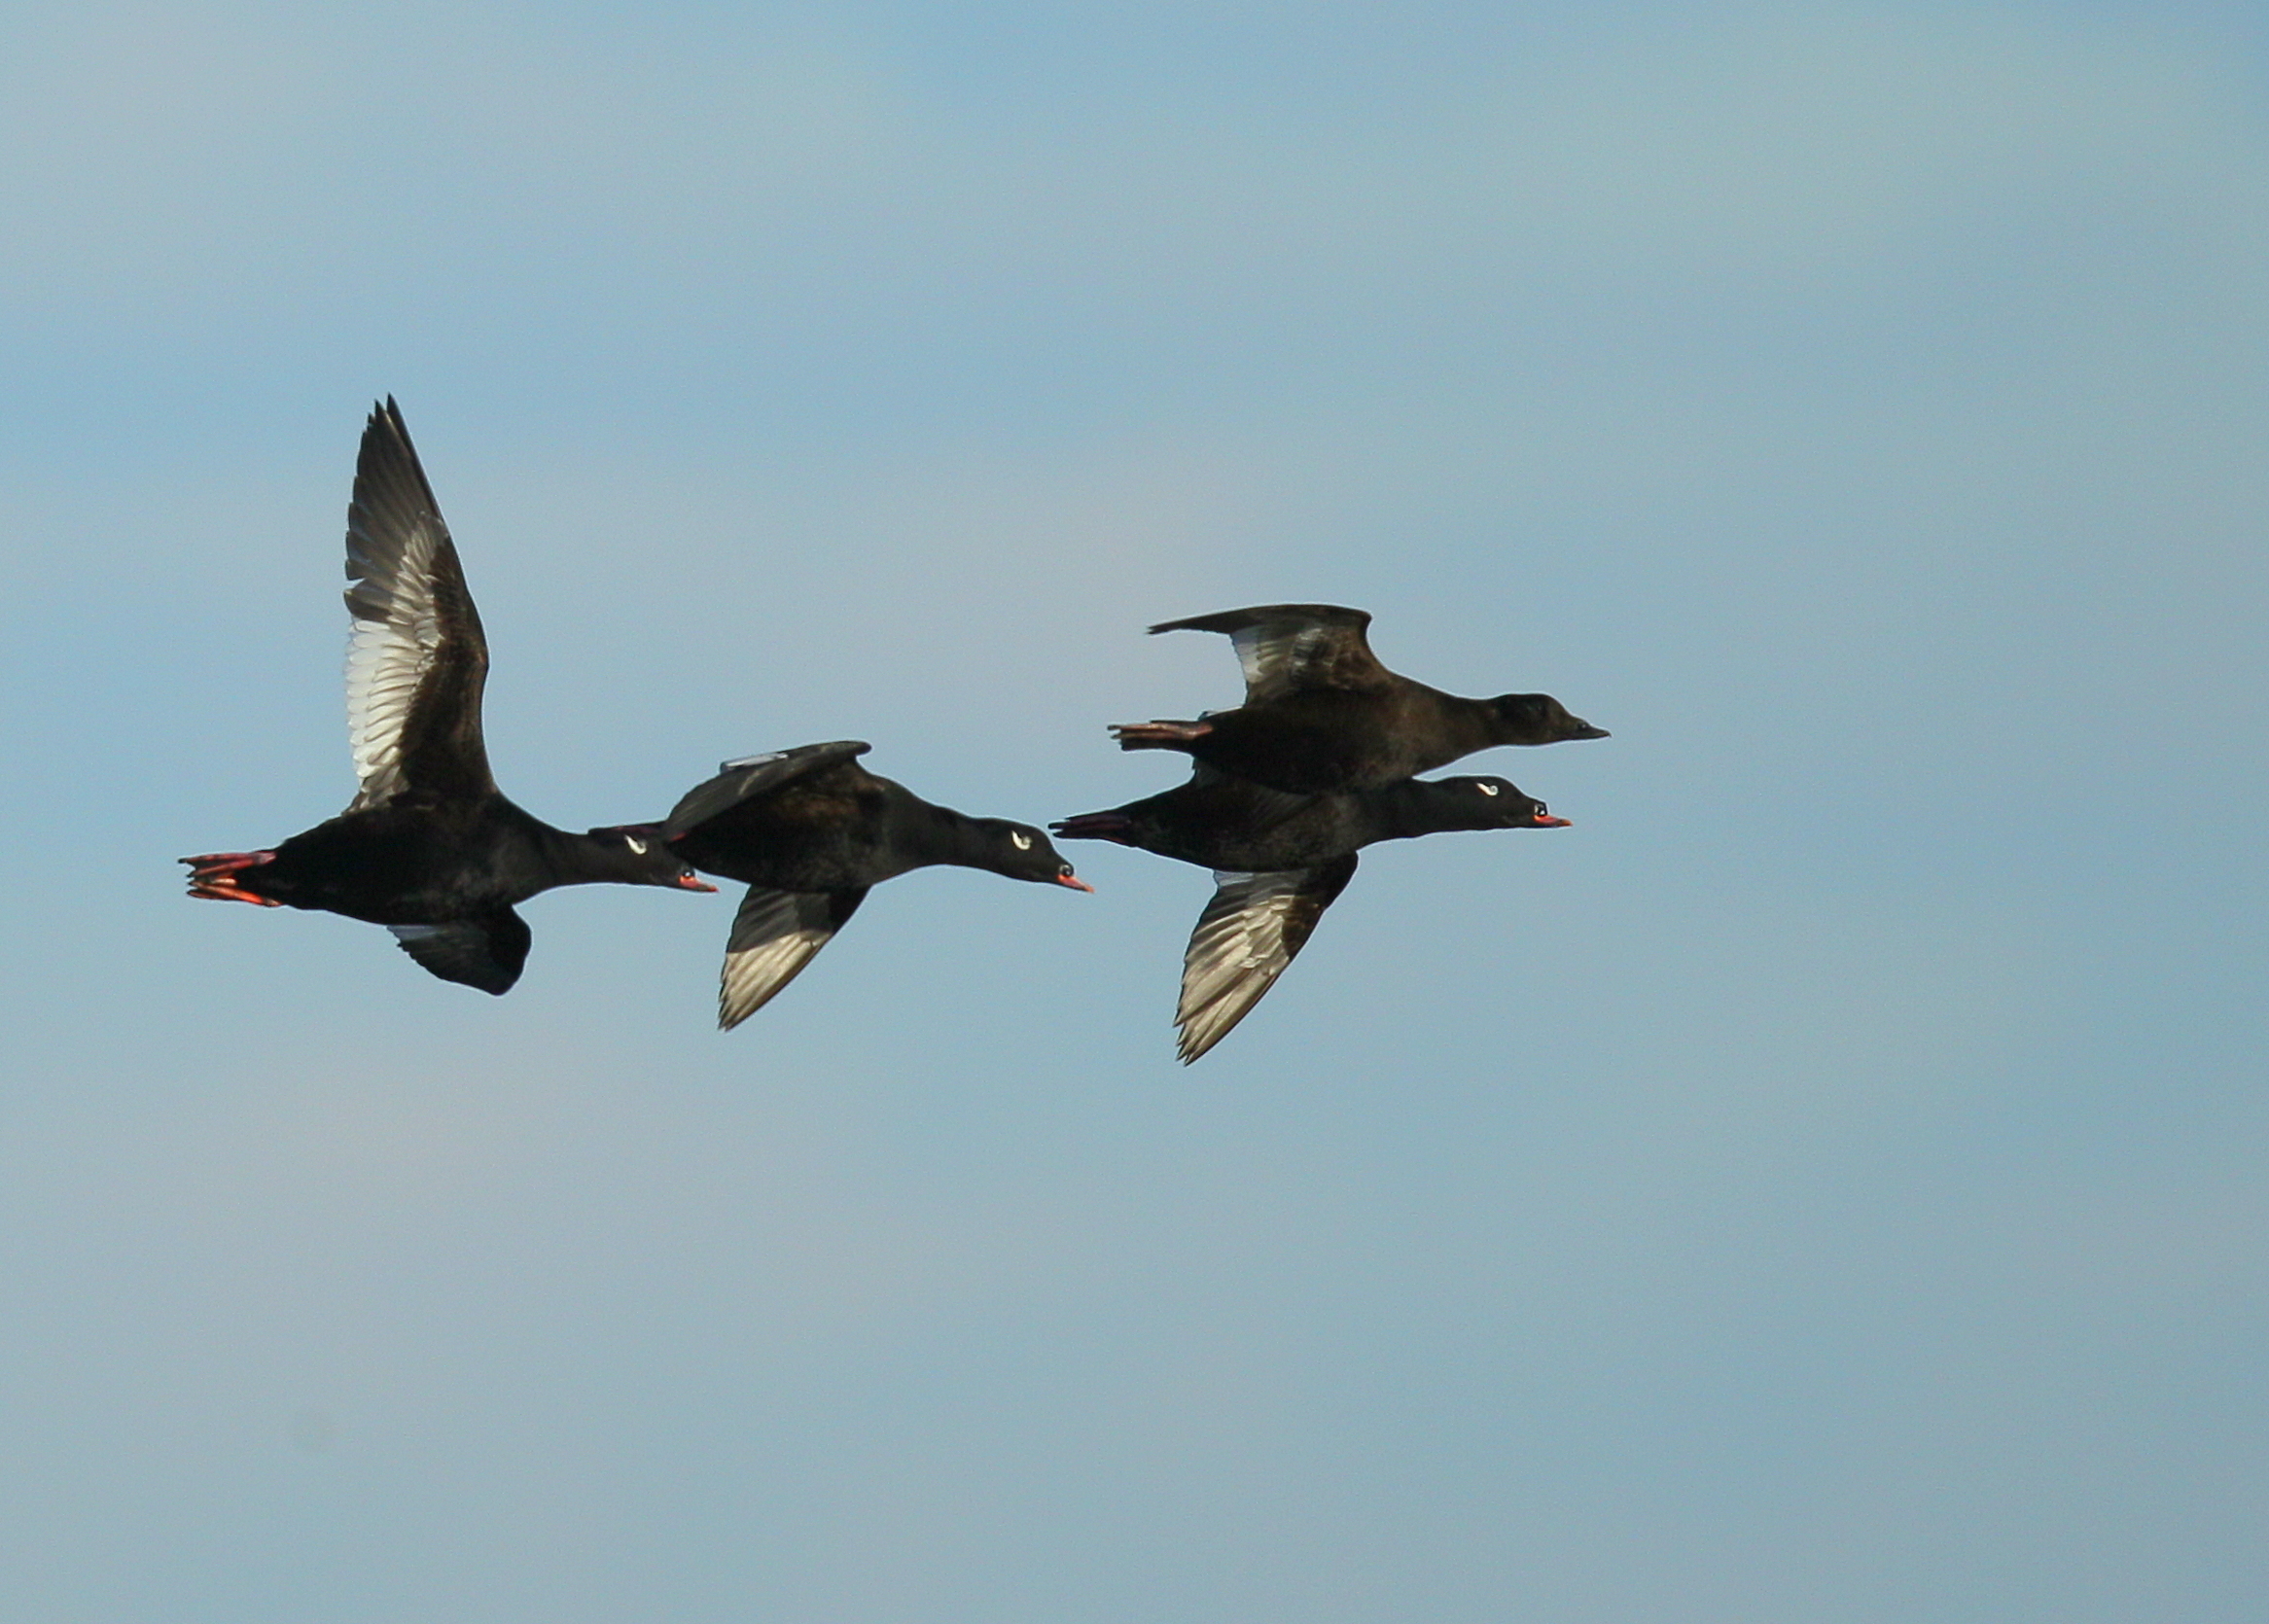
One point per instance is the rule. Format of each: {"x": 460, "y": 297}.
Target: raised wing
{"x": 416, "y": 660}
{"x": 775, "y": 936}
{"x": 1254, "y": 927}
{"x": 1286, "y": 647}
{"x": 751, "y": 776}
{"x": 487, "y": 952}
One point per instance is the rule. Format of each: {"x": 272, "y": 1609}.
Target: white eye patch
{"x": 1023, "y": 839}
{"x": 637, "y": 845}
{"x": 1486, "y": 788}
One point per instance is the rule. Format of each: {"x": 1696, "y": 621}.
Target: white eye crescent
{"x": 1023, "y": 839}
{"x": 637, "y": 845}
{"x": 1487, "y": 788}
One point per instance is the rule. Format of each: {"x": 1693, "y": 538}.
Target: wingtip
{"x": 1191, "y": 1045}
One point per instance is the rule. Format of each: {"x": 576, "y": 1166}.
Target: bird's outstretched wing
{"x": 487, "y": 952}
{"x": 775, "y": 936}
{"x": 1254, "y": 927}
{"x": 1286, "y": 647}
{"x": 416, "y": 660}
{"x": 752, "y": 776}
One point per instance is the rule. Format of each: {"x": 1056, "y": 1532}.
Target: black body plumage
{"x": 810, "y": 832}
{"x": 430, "y": 846}
{"x": 1280, "y": 860}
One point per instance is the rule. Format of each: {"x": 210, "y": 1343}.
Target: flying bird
{"x": 1321, "y": 714}
{"x": 810, "y": 832}
{"x": 1279, "y": 860}
{"x": 429, "y": 847}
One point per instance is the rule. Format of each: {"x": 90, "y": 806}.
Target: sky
{"x": 1824, "y": 1184}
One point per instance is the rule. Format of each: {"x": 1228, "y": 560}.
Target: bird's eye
{"x": 1023, "y": 839}
{"x": 1488, "y": 789}
{"x": 637, "y": 845}
{"x": 1541, "y": 809}
{"x": 1065, "y": 873}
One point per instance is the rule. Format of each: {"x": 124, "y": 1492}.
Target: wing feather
{"x": 1254, "y": 927}
{"x": 416, "y": 659}
{"x": 775, "y": 936}
{"x": 1286, "y": 647}
{"x": 487, "y": 952}
{"x": 753, "y": 776}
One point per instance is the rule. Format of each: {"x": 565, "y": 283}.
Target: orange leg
{"x": 1156, "y": 735}
{"x": 213, "y": 876}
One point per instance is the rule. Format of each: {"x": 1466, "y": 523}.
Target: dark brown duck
{"x": 1321, "y": 714}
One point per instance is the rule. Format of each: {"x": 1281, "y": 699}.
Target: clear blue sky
{"x": 1827, "y": 1183}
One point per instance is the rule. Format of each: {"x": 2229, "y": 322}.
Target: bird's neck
{"x": 1471, "y": 724}
{"x": 1406, "y": 810}
{"x": 924, "y": 834}
{"x": 574, "y": 859}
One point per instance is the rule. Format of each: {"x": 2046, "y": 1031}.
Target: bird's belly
{"x": 786, "y": 865}
{"x": 383, "y": 871}
{"x": 1307, "y": 755}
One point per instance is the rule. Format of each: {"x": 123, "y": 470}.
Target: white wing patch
{"x": 396, "y": 633}
{"x": 1280, "y": 646}
{"x": 1274, "y": 654}
{"x": 1256, "y": 648}
{"x": 741, "y": 761}
{"x": 775, "y": 936}
{"x": 1246, "y": 936}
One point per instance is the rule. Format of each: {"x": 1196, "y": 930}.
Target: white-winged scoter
{"x": 1321, "y": 714}
{"x": 429, "y": 847}
{"x": 1279, "y": 860}
{"x": 810, "y": 832}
